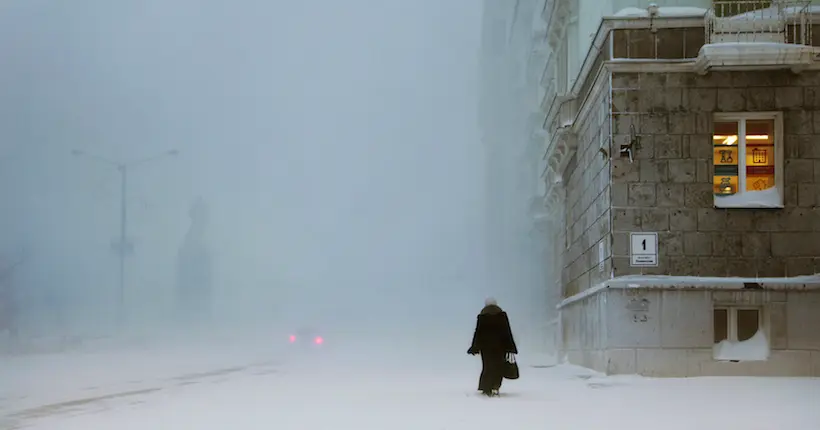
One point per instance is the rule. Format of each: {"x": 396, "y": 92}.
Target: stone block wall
{"x": 587, "y": 203}
{"x": 583, "y": 332}
{"x": 676, "y": 338}
{"x": 668, "y": 187}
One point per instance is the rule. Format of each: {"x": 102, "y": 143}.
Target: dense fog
{"x": 311, "y": 163}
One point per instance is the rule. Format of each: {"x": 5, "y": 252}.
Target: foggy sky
{"x": 335, "y": 142}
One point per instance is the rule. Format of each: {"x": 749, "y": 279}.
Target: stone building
{"x": 513, "y": 57}
{"x": 683, "y": 158}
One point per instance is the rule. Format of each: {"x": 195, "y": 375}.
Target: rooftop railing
{"x": 759, "y": 21}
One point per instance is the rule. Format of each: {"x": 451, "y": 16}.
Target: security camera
{"x": 652, "y": 9}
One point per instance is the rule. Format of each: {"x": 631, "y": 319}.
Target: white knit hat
{"x": 490, "y": 302}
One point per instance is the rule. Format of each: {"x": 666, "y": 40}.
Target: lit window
{"x": 748, "y": 160}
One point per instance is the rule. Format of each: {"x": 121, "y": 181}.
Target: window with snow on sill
{"x": 770, "y": 198}
{"x": 755, "y": 348}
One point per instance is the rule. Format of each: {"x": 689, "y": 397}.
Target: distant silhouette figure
{"x": 194, "y": 284}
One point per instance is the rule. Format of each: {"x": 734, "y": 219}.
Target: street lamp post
{"x": 123, "y": 247}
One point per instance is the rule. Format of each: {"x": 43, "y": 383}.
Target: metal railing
{"x": 759, "y": 21}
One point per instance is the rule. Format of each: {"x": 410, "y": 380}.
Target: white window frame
{"x": 743, "y": 198}
{"x": 731, "y": 320}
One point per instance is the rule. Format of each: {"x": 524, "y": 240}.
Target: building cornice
{"x": 558, "y": 154}
{"x": 598, "y": 45}
{"x": 755, "y": 56}
{"x": 688, "y": 66}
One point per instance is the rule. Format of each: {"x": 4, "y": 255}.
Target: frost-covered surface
{"x": 435, "y": 390}
{"x": 760, "y": 53}
{"x": 30, "y": 380}
{"x": 807, "y": 282}
{"x": 751, "y": 199}
{"x": 665, "y": 12}
{"x": 755, "y": 348}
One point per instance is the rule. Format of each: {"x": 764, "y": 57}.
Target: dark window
{"x": 735, "y": 324}
{"x": 721, "y": 324}
{"x": 670, "y": 43}
{"x": 662, "y": 44}
{"x": 693, "y": 40}
{"x": 748, "y": 322}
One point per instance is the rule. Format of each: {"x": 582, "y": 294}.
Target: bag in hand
{"x": 511, "y": 367}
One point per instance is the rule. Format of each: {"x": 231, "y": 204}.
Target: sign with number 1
{"x": 643, "y": 249}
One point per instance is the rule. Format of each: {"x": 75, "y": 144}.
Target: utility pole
{"x": 123, "y": 246}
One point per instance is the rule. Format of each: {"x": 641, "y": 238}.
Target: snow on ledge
{"x": 663, "y": 12}
{"x": 755, "y": 348}
{"x": 664, "y": 282}
{"x": 753, "y": 54}
{"x": 770, "y": 198}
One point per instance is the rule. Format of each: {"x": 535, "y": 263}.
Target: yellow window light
{"x": 731, "y": 140}
{"x": 725, "y": 185}
{"x": 725, "y": 140}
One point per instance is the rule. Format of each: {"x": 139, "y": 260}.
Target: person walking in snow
{"x": 493, "y": 339}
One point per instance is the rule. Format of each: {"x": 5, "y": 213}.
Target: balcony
{"x": 759, "y": 21}
{"x": 756, "y": 34}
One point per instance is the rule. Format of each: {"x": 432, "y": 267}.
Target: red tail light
{"x": 318, "y": 340}
{"x": 292, "y": 338}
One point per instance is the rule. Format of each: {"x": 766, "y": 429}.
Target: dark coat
{"x": 493, "y": 339}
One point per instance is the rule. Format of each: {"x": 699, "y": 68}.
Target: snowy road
{"x": 363, "y": 393}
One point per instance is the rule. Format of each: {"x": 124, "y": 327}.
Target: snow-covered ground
{"x": 359, "y": 389}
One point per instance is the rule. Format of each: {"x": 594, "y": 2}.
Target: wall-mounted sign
{"x": 643, "y": 249}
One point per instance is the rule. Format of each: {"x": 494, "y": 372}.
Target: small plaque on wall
{"x": 643, "y": 249}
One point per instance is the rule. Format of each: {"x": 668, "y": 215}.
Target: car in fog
{"x": 306, "y": 337}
